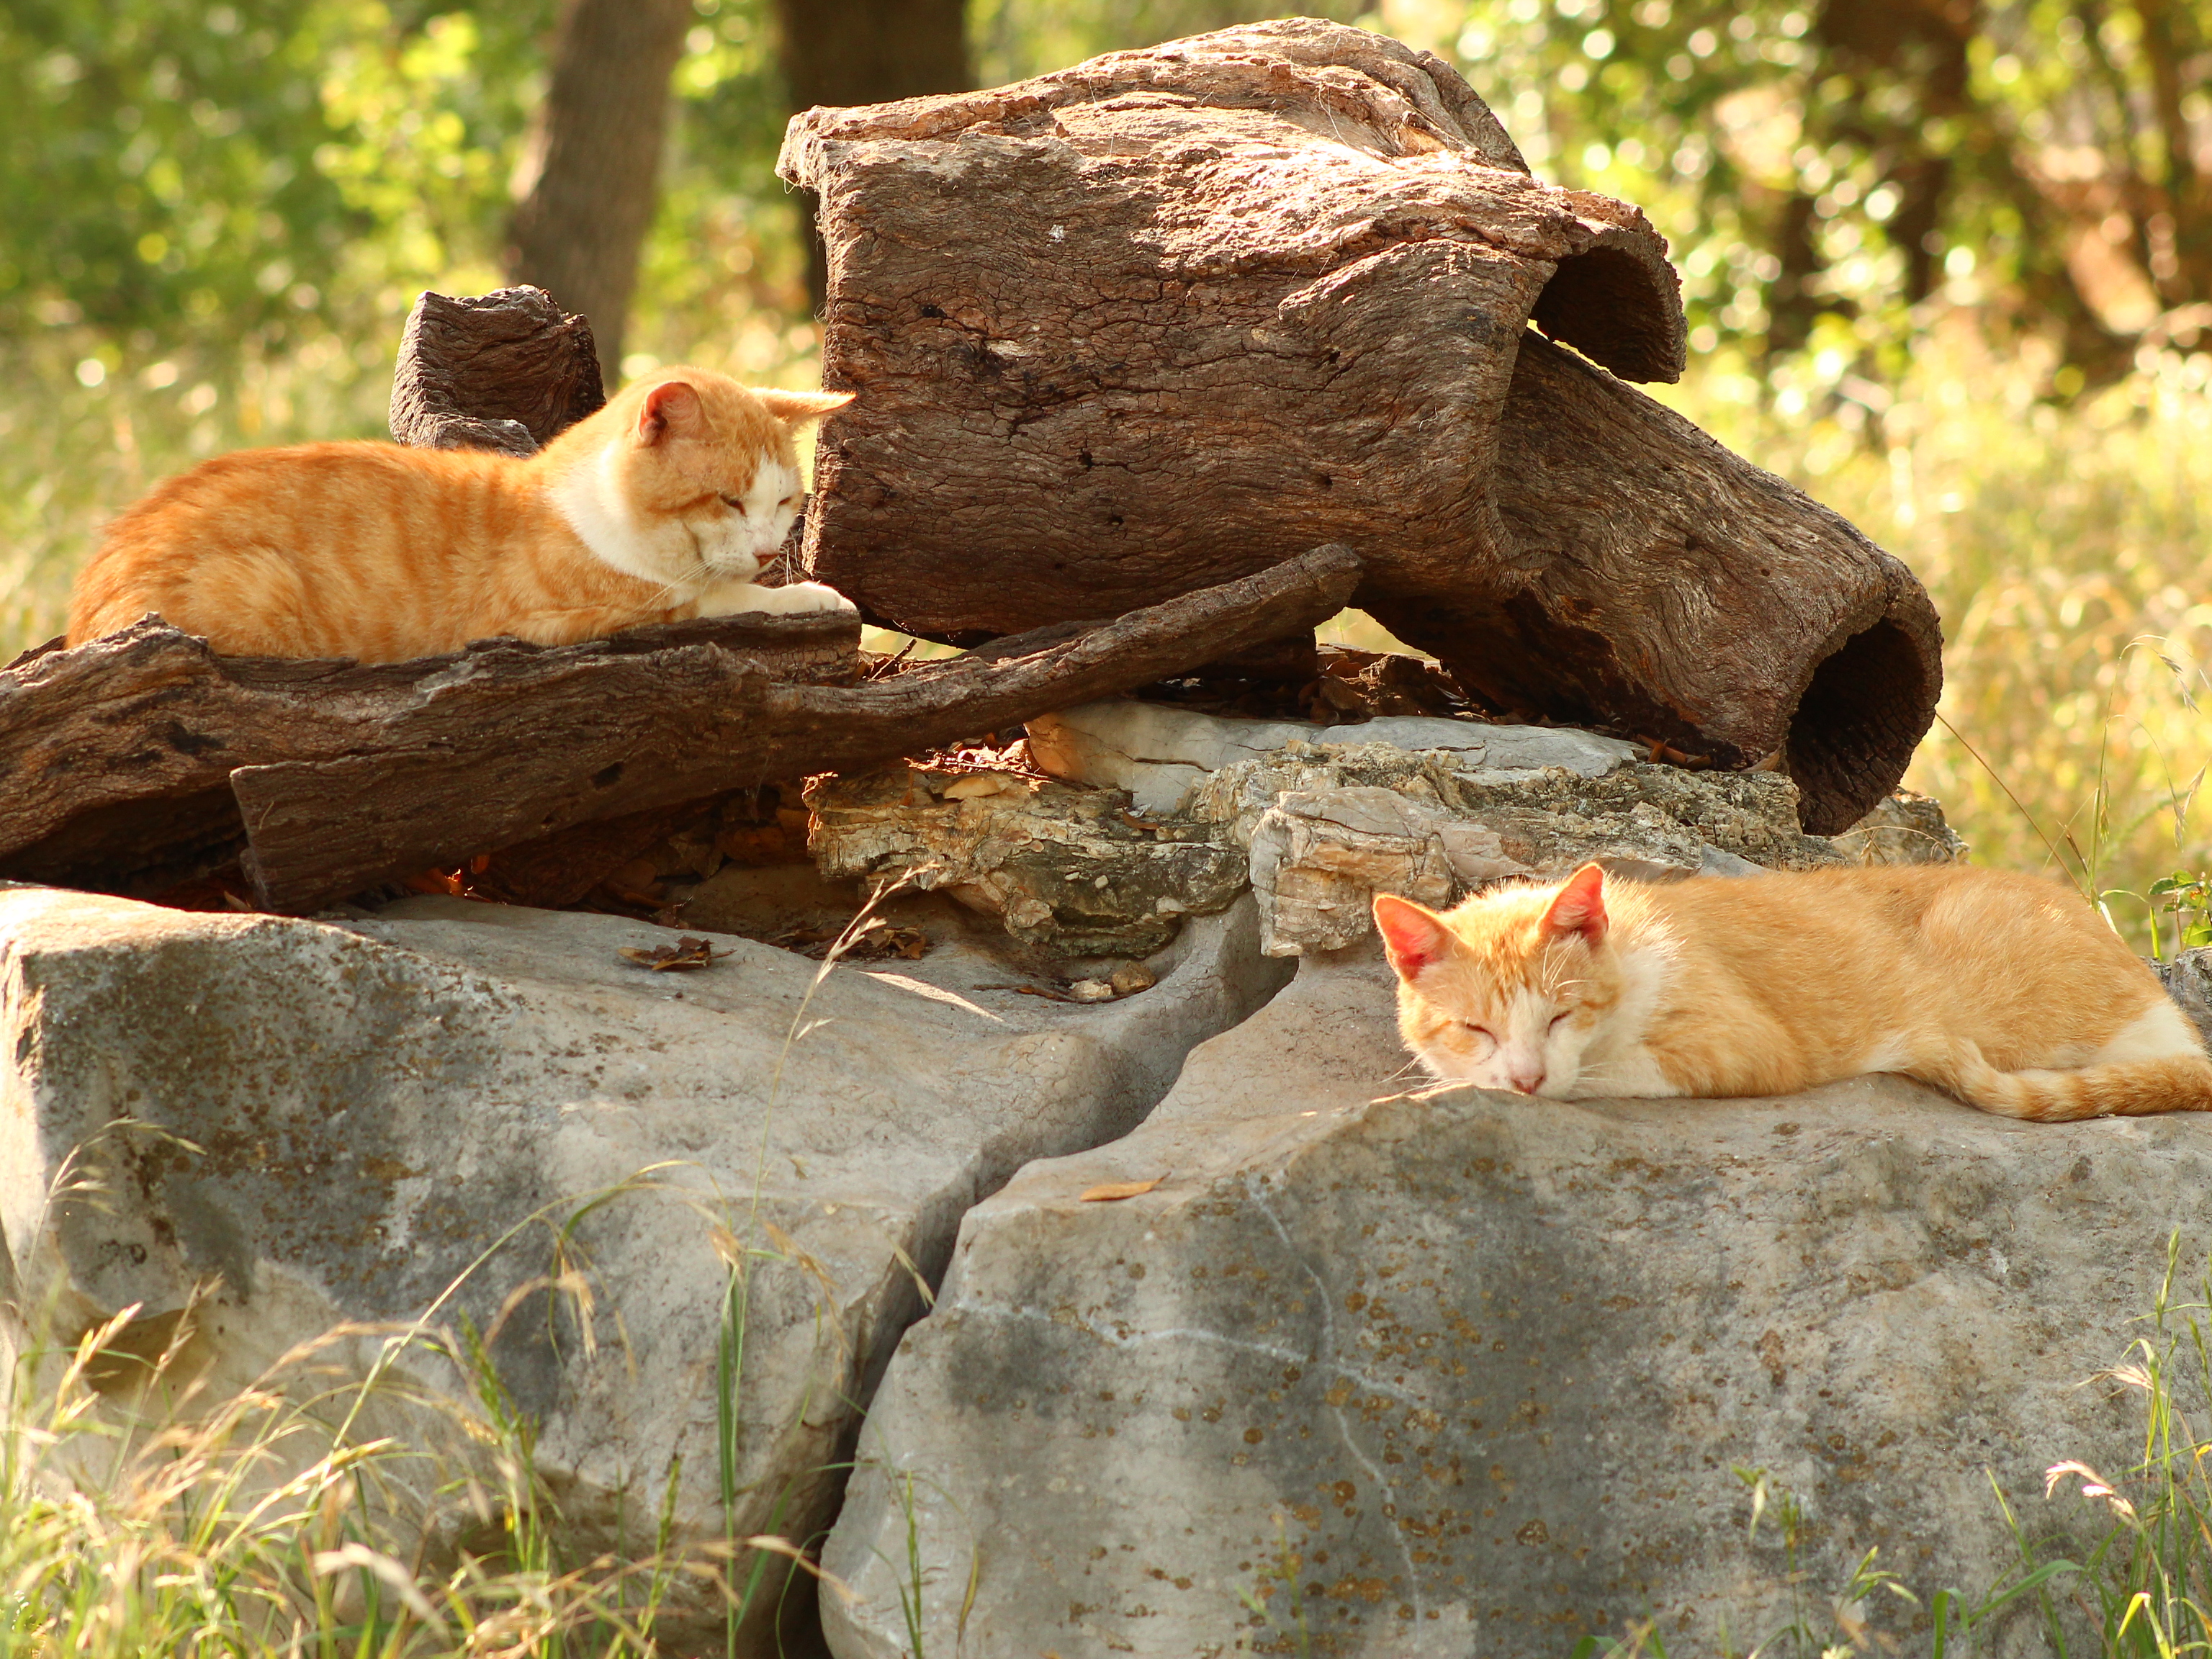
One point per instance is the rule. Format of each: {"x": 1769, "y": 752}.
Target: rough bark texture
{"x": 866, "y": 51}
{"x": 117, "y": 756}
{"x": 1161, "y": 319}
{"x": 131, "y": 762}
{"x": 503, "y": 371}
{"x": 578, "y": 228}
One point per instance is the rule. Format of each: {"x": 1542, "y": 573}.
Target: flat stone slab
{"x": 378, "y": 1104}
{"x": 1158, "y": 751}
{"x": 1468, "y": 1374}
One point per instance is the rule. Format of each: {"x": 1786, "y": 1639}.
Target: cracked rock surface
{"x": 375, "y": 1104}
{"x": 1468, "y": 1374}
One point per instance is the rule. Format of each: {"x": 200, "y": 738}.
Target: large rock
{"x": 329, "y": 1124}
{"x": 1328, "y": 828}
{"x": 1160, "y": 752}
{"x": 1469, "y": 1374}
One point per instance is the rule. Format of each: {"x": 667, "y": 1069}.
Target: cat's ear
{"x": 1579, "y": 906}
{"x": 798, "y": 408}
{"x": 1414, "y": 936}
{"x": 670, "y": 409}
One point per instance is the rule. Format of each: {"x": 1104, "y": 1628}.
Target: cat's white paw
{"x": 793, "y": 599}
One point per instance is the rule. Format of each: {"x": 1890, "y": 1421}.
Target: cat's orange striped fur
{"x": 2005, "y": 990}
{"x": 661, "y": 507}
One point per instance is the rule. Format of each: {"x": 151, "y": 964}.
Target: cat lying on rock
{"x": 661, "y": 507}
{"x": 2005, "y": 990}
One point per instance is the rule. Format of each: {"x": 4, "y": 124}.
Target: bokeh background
{"x": 1948, "y": 266}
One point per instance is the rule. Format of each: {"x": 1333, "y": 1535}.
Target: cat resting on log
{"x": 2005, "y": 990}
{"x": 661, "y": 507}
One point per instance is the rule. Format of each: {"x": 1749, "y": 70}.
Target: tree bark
{"x": 137, "y": 761}
{"x": 838, "y": 52}
{"x": 115, "y": 755}
{"x": 595, "y": 168}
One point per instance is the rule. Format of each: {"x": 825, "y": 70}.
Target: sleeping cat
{"x": 659, "y": 507}
{"x": 2005, "y": 990}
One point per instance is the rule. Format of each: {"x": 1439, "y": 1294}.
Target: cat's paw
{"x": 793, "y": 599}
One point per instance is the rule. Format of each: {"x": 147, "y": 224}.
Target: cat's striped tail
{"x": 2133, "y": 1088}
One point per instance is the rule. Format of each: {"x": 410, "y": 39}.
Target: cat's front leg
{"x": 732, "y": 599}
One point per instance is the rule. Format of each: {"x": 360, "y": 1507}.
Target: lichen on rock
{"x": 1069, "y": 867}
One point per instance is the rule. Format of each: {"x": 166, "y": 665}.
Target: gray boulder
{"x": 315, "y": 1123}
{"x": 1159, "y": 753}
{"x": 1463, "y": 1373}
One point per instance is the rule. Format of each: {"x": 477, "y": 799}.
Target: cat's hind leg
{"x": 2127, "y": 1088}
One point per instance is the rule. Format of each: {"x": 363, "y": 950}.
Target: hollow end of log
{"x": 1620, "y": 308}
{"x": 1864, "y": 711}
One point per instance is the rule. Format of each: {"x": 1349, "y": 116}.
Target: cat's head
{"x": 1506, "y": 989}
{"x": 687, "y": 478}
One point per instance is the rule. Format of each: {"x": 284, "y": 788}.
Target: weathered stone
{"x": 2188, "y": 981}
{"x": 1071, "y": 867}
{"x": 1908, "y": 828}
{"x": 1159, "y": 753}
{"x": 329, "y": 1124}
{"x": 1329, "y": 828}
{"x": 1468, "y": 1374}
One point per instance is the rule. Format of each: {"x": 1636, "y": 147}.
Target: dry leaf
{"x": 689, "y": 951}
{"x": 1108, "y": 1192}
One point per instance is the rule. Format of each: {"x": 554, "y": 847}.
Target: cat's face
{"x": 697, "y": 478}
{"x": 1508, "y": 989}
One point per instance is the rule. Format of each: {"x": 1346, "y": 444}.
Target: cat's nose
{"x": 1526, "y": 1083}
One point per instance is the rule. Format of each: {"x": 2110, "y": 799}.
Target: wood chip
{"x": 689, "y": 951}
{"x": 1110, "y": 1191}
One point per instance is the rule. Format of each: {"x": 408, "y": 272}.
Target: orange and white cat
{"x": 661, "y": 507}
{"x": 2005, "y": 990}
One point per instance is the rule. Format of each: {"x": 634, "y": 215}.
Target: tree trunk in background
{"x": 579, "y": 225}
{"x": 866, "y": 51}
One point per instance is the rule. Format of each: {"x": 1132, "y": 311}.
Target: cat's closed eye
{"x": 733, "y": 501}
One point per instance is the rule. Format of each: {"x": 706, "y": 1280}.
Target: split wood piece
{"x": 115, "y": 755}
{"x": 504, "y": 371}
{"x": 430, "y": 789}
{"x": 1163, "y": 319}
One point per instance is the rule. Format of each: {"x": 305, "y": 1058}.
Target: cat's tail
{"x": 2133, "y": 1088}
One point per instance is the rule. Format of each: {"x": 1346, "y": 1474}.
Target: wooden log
{"x": 503, "y": 371}
{"x": 117, "y": 756}
{"x": 1164, "y": 319}
{"x": 142, "y": 760}
{"x": 576, "y": 747}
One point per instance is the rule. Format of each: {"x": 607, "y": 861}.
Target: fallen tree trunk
{"x": 140, "y": 760}
{"x": 117, "y": 756}
{"x": 1165, "y": 317}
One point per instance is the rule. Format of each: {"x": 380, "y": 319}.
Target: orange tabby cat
{"x": 659, "y": 507}
{"x": 2005, "y": 989}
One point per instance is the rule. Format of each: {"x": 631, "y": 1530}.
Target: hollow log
{"x": 503, "y": 371}
{"x": 142, "y": 759}
{"x": 1165, "y": 317}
